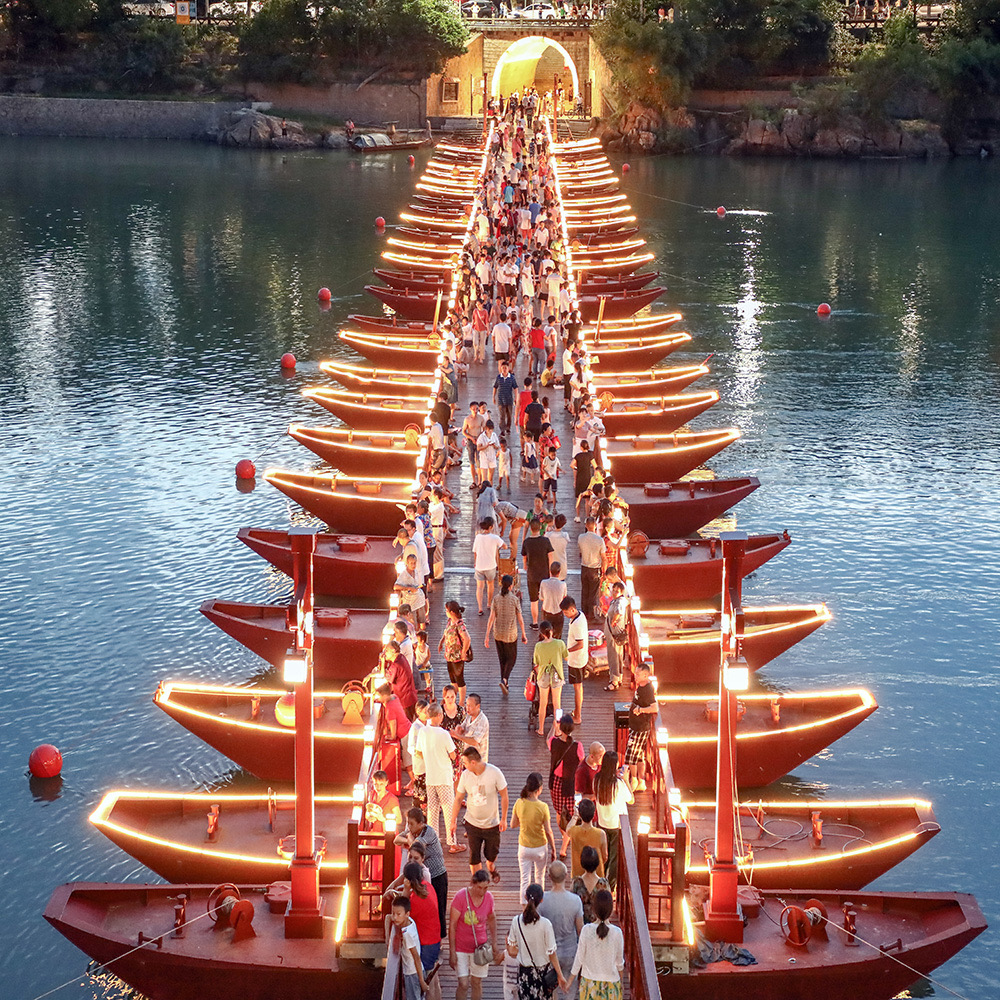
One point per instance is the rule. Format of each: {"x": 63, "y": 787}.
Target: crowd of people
{"x": 514, "y": 306}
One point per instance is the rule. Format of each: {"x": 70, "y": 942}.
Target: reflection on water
{"x": 147, "y": 294}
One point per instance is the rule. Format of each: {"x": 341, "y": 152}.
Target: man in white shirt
{"x": 482, "y": 789}
{"x": 577, "y": 645}
{"x": 438, "y": 751}
{"x": 409, "y": 588}
{"x": 475, "y": 731}
{"x": 439, "y": 528}
{"x": 487, "y": 446}
{"x": 439, "y": 446}
{"x": 501, "y": 340}
{"x": 417, "y": 538}
{"x": 485, "y": 547}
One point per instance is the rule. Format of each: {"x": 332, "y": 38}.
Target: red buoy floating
{"x": 380, "y": 223}
{"x": 625, "y": 168}
{"x": 324, "y": 295}
{"x": 823, "y": 309}
{"x": 288, "y": 360}
{"x": 411, "y": 159}
{"x": 245, "y": 469}
{"x": 45, "y": 761}
{"x": 720, "y": 211}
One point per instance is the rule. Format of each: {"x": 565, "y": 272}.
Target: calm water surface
{"x": 146, "y": 293}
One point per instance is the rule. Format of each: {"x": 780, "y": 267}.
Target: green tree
{"x": 280, "y": 43}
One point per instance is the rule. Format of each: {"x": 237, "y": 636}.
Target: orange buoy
{"x": 720, "y": 211}
{"x": 245, "y": 469}
{"x": 324, "y": 295}
{"x": 411, "y": 159}
{"x": 823, "y": 309}
{"x": 45, "y": 761}
{"x": 284, "y": 710}
{"x": 288, "y": 360}
{"x": 380, "y": 223}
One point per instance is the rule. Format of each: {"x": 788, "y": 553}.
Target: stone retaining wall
{"x": 110, "y": 119}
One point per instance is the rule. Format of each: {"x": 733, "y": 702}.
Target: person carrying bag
{"x": 534, "y": 982}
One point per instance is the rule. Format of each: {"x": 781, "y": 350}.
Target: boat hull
{"x": 409, "y": 302}
{"x": 656, "y": 461}
{"x": 339, "y": 504}
{"x": 766, "y": 749}
{"x": 682, "y": 570}
{"x": 103, "y": 921}
{"x": 617, "y": 303}
{"x": 690, "y": 655}
{"x": 379, "y": 380}
{"x": 652, "y": 383}
{"x": 224, "y": 718}
{"x": 392, "y": 355}
{"x": 687, "y": 507}
{"x": 372, "y": 412}
{"x": 625, "y": 357}
{"x": 340, "y": 652}
{"x": 656, "y": 417}
{"x": 337, "y": 572}
{"x": 358, "y": 457}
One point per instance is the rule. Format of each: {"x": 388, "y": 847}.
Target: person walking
{"x": 486, "y": 546}
{"x": 417, "y": 829}
{"x": 600, "y": 955}
{"x": 565, "y": 755}
{"x": 438, "y": 749}
{"x": 457, "y": 647}
{"x": 564, "y": 911}
{"x": 482, "y": 789}
{"x": 612, "y": 796}
{"x": 588, "y": 771}
{"x": 587, "y": 885}
{"x": 536, "y": 551}
{"x": 532, "y": 942}
{"x": 536, "y": 845}
{"x": 472, "y": 923}
{"x": 578, "y": 651}
{"x": 548, "y": 659}
{"x": 504, "y": 391}
{"x": 505, "y": 617}
{"x": 551, "y": 591}
{"x": 582, "y": 833}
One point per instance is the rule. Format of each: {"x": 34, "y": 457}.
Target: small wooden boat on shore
{"x": 684, "y": 644}
{"x": 254, "y": 728}
{"x": 343, "y": 565}
{"x": 373, "y": 412}
{"x": 353, "y": 506}
{"x": 813, "y": 844}
{"x": 346, "y": 641}
{"x": 612, "y": 387}
{"x": 661, "y": 415}
{"x": 389, "y": 352}
{"x": 775, "y": 732}
{"x": 385, "y": 381}
{"x": 357, "y": 452}
{"x": 683, "y": 569}
{"x": 649, "y": 458}
{"x": 215, "y": 837}
{"x": 382, "y": 142}
{"x": 679, "y": 508}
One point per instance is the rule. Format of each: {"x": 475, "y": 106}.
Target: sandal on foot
{"x": 457, "y": 848}
{"x": 495, "y": 877}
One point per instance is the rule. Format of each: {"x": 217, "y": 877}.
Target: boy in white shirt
{"x": 551, "y": 468}
{"x": 409, "y": 949}
{"x": 487, "y": 446}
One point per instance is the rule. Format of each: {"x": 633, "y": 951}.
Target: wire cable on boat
{"x": 90, "y": 970}
{"x": 881, "y": 951}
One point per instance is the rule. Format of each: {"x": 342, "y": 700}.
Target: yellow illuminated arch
{"x": 531, "y": 49}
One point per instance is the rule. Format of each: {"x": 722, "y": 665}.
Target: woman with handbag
{"x": 457, "y": 647}
{"x": 600, "y": 955}
{"x": 565, "y": 754}
{"x": 532, "y": 941}
{"x": 472, "y": 936}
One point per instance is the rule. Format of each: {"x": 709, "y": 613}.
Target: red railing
{"x": 639, "y": 960}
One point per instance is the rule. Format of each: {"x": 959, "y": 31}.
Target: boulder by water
{"x": 252, "y": 129}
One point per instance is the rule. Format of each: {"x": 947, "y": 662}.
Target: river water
{"x": 146, "y": 294}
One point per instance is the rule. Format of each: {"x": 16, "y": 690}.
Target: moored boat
{"x": 374, "y": 412}
{"x": 384, "y": 381}
{"x": 357, "y": 452}
{"x": 679, "y": 508}
{"x": 391, "y": 353}
{"x": 617, "y": 303}
{"x": 343, "y": 565}
{"x": 251, "y": 727}
{"x": 346, "y": 641}
{"x": 355, "y": 506}
{"x": 685, "y": 644}
{"x": 661, "y": 415}
{"x": 642, "y": 352}
{"x": 615, "y": 386}
{"x": 648, "y": 458}
{"x": 683, "y": 569}
{"x": 775, "y": 732}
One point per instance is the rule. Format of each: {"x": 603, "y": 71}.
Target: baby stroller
{"x": 531, "y": 696}
{"x": 597, "y": 648}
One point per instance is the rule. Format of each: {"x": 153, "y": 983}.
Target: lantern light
{"x": 295, "y": 669}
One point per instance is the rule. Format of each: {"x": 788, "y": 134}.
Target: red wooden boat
{"x": 430, "y": 234}
{"x": 685, "y": 644}
{"x": 410, "y": 302}
{"x": 104, "y": 920}
{"x": 608, "y": 223}
{"x": 355, "y": 453}
{"x": 385, "y": 381}
{"x": 680, "y": 508}
{"x": 775, "y": 732}
{"x": 214, "y": 837}
{"x": 591, "y": 285}
{"x": 359, "y": 506}
{"x": 242, "y": 724}
{"x": 374, "y": 412}
{"x": 411, "y": 279}
{"x": 661, "y": 415}
{"x": 430, "y": 248}
{"x": 392, "y": 353}
{"x": 630, "y": 244}
{"x": 343, "y": 565}
{"x": 617, "y": 304}
{"x": 624, "y": 355}
{"x": 814, "y": 844}
{"x": 598, "y": 284}
{"x": 648, "y": 458}
{"x": 585, "y": 241}
{"x": 615, "y": 386}
{"x": 612, "y": 263}
{"x": 681, "y": 569}
{"x": 347, "y": 641}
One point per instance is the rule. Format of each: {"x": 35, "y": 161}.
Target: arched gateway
{"x": 534, "y": 61}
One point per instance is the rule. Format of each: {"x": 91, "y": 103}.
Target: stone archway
{"x": 521, "y": 63}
